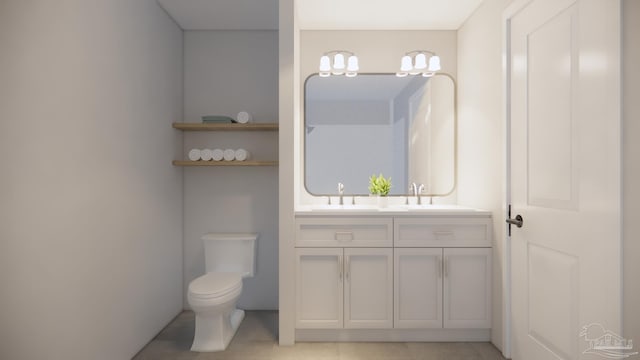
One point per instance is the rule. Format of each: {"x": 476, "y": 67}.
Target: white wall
{"x": 289, "y": 109}
{"x": 91, "y": 207}
{"x": 378, "y": 51}
{"x": 226, "y": 72}
{"x": 631, "y": 170}
{"x": 480, "y": 131}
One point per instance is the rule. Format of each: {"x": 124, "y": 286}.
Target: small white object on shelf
{"x": 229, "y": 155}
{"x": 206, "y": 154}
{"x": 217, "y": 155}
{"x": 195, "y": 154}
{"x": 242, "y": 155}
{"x": 243, "y": 117}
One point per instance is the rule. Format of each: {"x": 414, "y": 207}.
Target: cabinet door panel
{"x": 418, "y": 288}
{"x": 319, "y": 288}
{"x": 368, "y": 288}
{"x": 467, "y": 287}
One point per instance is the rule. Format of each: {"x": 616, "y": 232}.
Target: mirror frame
{"x": 455, "y": 137}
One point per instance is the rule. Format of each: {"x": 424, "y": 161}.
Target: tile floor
{"x": 257, "y": 340}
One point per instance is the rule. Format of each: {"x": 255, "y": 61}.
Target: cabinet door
{"x": 467, "y": 287}
{"x": 418, "y": 288}
{"x": 368, "y": 288}
{"x": 319, "y": 288}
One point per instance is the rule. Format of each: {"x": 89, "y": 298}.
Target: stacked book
{"x": 217, "y": 119}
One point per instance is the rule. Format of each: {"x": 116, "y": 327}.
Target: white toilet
{"x": 229, "y": 257}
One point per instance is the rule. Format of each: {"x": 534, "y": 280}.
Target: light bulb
{"x": 402, "y": 74}
{"x": 324, "y": 74}
{"x": 405, "y": 65}
{"x": 421, "y": 61}
{"x": 352, "y": 64}
{"x": 434, "y": 63}
{"x": 338, "y": 62}
{"x": 325, "y": 64}
{"x": 351, "y": 74}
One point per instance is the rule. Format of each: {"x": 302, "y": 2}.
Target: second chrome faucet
{"x": 416, "y": 190}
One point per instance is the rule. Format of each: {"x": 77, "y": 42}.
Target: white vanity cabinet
{"x": 442, "y": 288}
{"x": 442, "y": 272}
{"x": 344, "y": 287}
{"x": 408, "y": 277}
{"x": 350, "y": 288}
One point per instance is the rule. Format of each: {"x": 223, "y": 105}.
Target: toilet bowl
{"x": 213, "y": 299}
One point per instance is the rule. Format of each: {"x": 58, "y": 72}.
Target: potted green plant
{"x": 380, "y": 186}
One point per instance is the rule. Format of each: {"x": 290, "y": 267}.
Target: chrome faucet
{"x": 413, "y": 188}
{"x": 419, "y": 193}
{"x": 341, "y": 192}
{"x": 416, "y": 190}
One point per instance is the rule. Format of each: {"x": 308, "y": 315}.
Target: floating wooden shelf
{"x": 224, "y": 163}
{"x": 226, "y": 127}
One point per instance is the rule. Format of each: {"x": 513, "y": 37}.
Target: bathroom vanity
{"x": 396, "y": 274}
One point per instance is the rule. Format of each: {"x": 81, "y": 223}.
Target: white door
{"x": 417, "y": 287}
{"x": 564, "y": 116}
{"x": 319, "y": 288}
{"x": 467, "y": 288}
{"x": 368, "y": 289}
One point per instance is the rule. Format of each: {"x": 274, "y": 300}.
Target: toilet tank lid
{"x": 230, "y": 236}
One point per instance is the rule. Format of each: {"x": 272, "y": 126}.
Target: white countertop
{"x": 392, "y": 210}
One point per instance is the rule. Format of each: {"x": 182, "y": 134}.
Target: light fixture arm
{"x": 416, "y": 52}
{"x": 334, "y": 52}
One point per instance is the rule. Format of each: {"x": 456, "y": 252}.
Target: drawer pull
{"x": 344, "y": 235}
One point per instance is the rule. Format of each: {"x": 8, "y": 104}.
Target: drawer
{"x": 442, "y": 232}
{"x": 344, "y": 232}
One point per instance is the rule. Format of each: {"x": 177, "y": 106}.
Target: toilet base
{"x": 215, "y": 331}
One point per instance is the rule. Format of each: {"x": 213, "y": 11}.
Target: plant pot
{"x": 383, "y": 201}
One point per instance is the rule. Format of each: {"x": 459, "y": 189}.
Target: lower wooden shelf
{"x": 224, "y": 163}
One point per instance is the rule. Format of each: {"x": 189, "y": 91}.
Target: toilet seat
{"x": 215, "y": 285}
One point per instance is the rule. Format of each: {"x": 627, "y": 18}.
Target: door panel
{"x": 418, "y": 288}
{"x": 368, "y": 288}
{"x": 319, "y": 288}
{"x": 552, "y": 59}
{"x": 553, "y": 292}
{"x": 467, "y": 288}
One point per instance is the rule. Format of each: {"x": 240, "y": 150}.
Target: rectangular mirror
{"x": 401, "y": 127}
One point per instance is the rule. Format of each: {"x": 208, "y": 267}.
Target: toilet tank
{"x": 230, "y": 252}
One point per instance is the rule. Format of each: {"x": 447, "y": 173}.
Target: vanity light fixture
{"x": 415, "y": 62}
{"x": 338, "y": 66}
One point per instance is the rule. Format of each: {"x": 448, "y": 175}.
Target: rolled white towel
{"x": 217, "y": 155}
{"x": 229, "y": 155}
{"x": 242, "y": 155}
{"x": 195, "y": 154}
{"x": 206, "y": 154}
{"x": 243, "y": 117}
